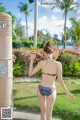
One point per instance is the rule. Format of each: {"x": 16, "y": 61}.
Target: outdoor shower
{"x": 6, "y": 69}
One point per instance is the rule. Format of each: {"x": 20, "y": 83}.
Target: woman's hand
{"x": 70, "y": 95}
{"x": 13, "y": 58}
{"x": 32, "y": 56}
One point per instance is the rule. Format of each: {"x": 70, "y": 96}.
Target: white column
{"x": 6, "y": 69}
{"x": 35, "y": 21}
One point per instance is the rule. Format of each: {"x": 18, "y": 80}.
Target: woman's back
{"x": 49, "y": 72}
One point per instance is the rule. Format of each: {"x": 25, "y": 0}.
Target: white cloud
{"x": 23, "y": 23}
{"x": 78, "y": 12}
{"x": 78, "y": 18}
{"x": 30, "y": 27}
{"x": 19, "y": 15}
{"x": 42, "y": 22}
{"x": 56, "y": 10}
{"x": 53, "y": 25}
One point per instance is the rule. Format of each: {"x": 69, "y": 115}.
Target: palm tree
{"x": 40, "y": 35}
{"x": 74, "y": 31}
{"x": 19, "y": 29}
{"x": 65, "y": 6}
{"x": 13, "y": 18}
{"x": 48, "y": 36}
{"x": 67, "y": 35}
{"x": 2, "y": 8}
{"x": 24, "y": 8}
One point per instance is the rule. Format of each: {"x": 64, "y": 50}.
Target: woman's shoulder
{"x": 57, "y": 62}
{"x": 42, "y": 61}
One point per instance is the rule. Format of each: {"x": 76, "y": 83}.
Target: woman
{"x": 47, "y": 89}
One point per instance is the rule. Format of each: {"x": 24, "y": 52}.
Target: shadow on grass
{"x": 14, "y": 91}
{"x": 60, "y": 93}
{"x": 76, "y": 91}
{"x": 21, "y": 98}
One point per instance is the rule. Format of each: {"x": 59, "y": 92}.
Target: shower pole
{"x": 6, "y": 66}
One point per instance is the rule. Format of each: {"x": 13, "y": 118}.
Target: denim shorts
{"x": 46, "y": 91}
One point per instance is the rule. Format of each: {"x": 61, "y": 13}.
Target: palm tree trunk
{"x": 65, "y": 29}
{"x": 26, "y": 26}
{"x": 76, "y": 44}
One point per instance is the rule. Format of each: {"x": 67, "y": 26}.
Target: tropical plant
{"x": 71, "y": 64}
{"x": 48, "y": 36}
{"x": 67, "y": 35}
{"x": 19, "y": 29}
{"x": 13, "y": 18}
{"x": 2, "y": 8}
{"x": 56, "y": 43}
{"x": 74, "y": 31}
{"x": 24, "y": 8}
{"x": 40, "y": 35}
{"x": 65, "y": 6}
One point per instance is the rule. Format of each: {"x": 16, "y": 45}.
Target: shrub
{"x": 18, "y": 69}
{"x": 17, "y": 44}
{"x": 70, "y": 63}
{"x": 25, "y": 43}
{"x": 22, "y": 43}
{"x": 21, "y": 65}
{"x": 40, "y": 45}
{"x": 77, "y": 68}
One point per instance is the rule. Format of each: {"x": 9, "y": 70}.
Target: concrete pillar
{"x": 6, "y": 73}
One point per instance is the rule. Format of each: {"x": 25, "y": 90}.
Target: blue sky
{"x": 51, "y": 21}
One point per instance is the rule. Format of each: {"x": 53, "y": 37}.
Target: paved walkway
{"x": 27, "y": 116}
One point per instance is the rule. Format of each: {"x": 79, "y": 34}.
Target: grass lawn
{"x": 25, "y": 99}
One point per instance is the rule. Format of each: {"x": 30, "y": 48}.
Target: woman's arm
{"x": 32, "y": 70}
{"x": 62, "y": 82}
{"x": 60, "y": 77}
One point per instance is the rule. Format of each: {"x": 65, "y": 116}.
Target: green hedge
{"x": 20, "y": 66}
{"x": 70, "y": 63}
{"x": 25, "y": 44}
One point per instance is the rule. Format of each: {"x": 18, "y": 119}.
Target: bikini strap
{"x": 49, "y": 74}
{"x": 46, "y": 62}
